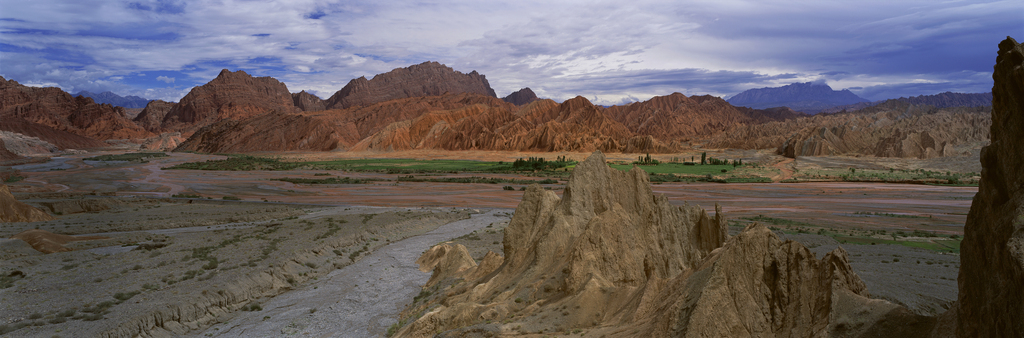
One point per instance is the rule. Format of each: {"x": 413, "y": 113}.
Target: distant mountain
{"x": 521, "y": 97}
{"x": 941, "y": 100}
{"x": 110, "y": 98}
{"x": 805, "y": 97}
{"x": 425, "y": 79}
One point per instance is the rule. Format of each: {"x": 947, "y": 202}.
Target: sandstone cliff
{"x": 11, "y": 210}
{"x": 612, "y": 258}
{"x": 521, "y": 97}
{"x": 273, "y": 131}
{"x": 991, "y": 281}
{"x": 232, "y": 95}
{"x": 425, "y": 79}
{"x": 61, "y": 113}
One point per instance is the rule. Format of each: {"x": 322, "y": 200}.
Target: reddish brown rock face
{"x": 51, "y": 113}
{"x": 991, "y": 298}
{"x": 307, "y": 102}
{"x": 153, "y": 115}
{"x": 679, "y": 118}
{"x": 232, "y": 95}
{"x": 425, "y": 79}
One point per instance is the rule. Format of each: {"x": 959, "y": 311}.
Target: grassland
{"x": 914, "y": 239}
{"x": 128, "y": 157}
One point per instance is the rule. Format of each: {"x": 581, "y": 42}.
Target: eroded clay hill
{"x": 991, "y": 297}
{"x": 425, "y": 79}
{"x": 891, "y": 129}
{"x": 54, "y": 116}
{"x": 610, "y": 258}
{"x": 11, "y": 210}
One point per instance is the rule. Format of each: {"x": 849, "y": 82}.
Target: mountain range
{"x": 432, "y": 106}
{"x": 110, "y": 98}
{"x": 805, "y": 97}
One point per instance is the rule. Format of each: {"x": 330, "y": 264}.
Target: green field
{"x": 390, "y": 166}
{"x": 130, "y": 157}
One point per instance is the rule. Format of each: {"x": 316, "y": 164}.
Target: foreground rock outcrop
{"x": 11, "y": 210}
{"x": 610, "y": 258}
{"x": 991, "y": 281}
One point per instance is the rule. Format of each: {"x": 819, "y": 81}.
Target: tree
{"x": 703, "y": 158}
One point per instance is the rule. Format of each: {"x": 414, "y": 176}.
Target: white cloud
{"x": 165, "y": 79}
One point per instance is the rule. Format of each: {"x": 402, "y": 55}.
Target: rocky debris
{"x": 11, "y": 210}
{"x": 273, "y": 131}
{"x": 230, "y": 96}
{"x": 806, "y": 97}
{"x": 307, "y": 102}
{"x": 887, "y": 130}
{"x": 991, "y": 299}
{"x": 57, "y": 110}
{"x": 153, "y": 115}
{"x": 425, "y": 79}
{"x": 5, "y": 153}
{"x": 110, "y": 98}
{"x": 521, "y": 97}
{"x": 48, "y": 242}
{"x": 610, "y": 258}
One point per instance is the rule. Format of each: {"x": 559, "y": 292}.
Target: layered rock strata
{"x": 991, "y": 281}
{"x": 11, "y": 210}
{"x": 230, "y": 96}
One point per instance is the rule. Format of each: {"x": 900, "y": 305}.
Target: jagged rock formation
{"x": 992, "y": 253}
{"x": 232, "y": 95}
{"x": 893, "y": 129}
{"x": 307, "y": 102}
{"x": 425, "y": 79}
{"x": 679, "y": 118}
{"x": 60, "y": 113}
{"x": 806, "y": 97}
{"x": 110, "y": 98}
{"x": 11, "y": 210}
{"x": 521, "y": 97}
{"x": 613, "y": 258}
{"x": 153, "y": 115}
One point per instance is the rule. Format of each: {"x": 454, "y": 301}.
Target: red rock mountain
{"x": 232, "y": 95}
{"x": 52, "y": 115}
{"x": 521, "y": 97}
{"x": 153, "y": 115}
{"x": 992, "y": 253}
{"x": 892, "y": 129}
{"x": 425, "y": 79}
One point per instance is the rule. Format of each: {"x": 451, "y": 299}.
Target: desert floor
{"x": 338, "y": 259}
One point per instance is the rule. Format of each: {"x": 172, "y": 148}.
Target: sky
{"x": 610, "y": 52}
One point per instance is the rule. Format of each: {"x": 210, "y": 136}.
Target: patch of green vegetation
{"x": 390, "y": 166}
{"x": 231, "y": 198}
{"x": 239, "y": 163}
{"x": 186, "y": 195}
{"x": 474, "y": 179}
{"x": 886, "y": 214}
{"x": 13, "y": 179}
{"x": 129, "y": 157}
{"x": 331, "y": 180}
{"x": 778, "y": 221}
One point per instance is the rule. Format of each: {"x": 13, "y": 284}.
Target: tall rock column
{"x": 991, "y": 299}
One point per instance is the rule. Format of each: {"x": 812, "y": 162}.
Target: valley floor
{"x": 235, "y": 241}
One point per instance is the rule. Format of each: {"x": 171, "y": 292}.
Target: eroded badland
{"x": 401, "y": 209}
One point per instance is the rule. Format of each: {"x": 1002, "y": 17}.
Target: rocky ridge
{"x": 54, "y": 113}
{"x": 307, "y": 102}
{"x": 110, "y": 98}
{"x": 611, "y": 258}
{"x": 893, "y": 129}
{"x": 992, "y": 252}
{"x": 425, "y": 79}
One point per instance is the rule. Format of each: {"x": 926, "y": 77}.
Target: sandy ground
{"x": 130, "y": 203}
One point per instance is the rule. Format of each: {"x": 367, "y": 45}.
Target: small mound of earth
{"x": 11, "y": 210}
{"x": 48, "y": 242}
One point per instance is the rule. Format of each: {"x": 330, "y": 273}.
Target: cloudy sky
{"x": 610, "y": 52}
